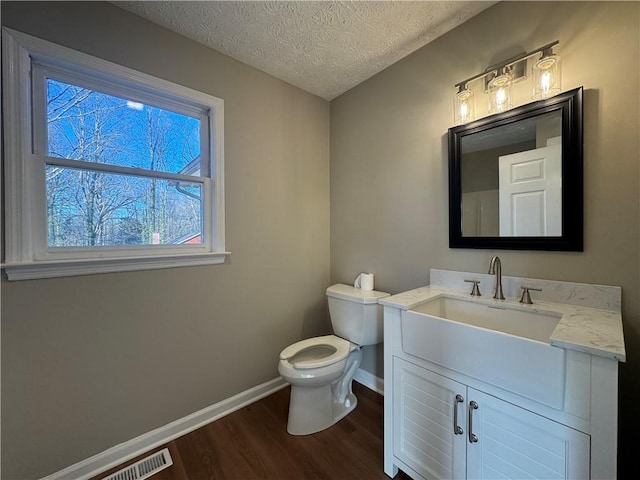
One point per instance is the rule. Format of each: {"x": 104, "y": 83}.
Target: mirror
{"x": 515, "y": 178}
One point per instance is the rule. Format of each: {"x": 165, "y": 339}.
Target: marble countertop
{"x": 585, "y": 329}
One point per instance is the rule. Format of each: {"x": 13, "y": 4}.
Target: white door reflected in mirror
{"x": 531, "y": 192}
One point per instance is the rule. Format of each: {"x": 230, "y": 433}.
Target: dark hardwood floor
{"x": 253, "y": 443}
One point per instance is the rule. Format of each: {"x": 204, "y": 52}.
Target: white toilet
{"x": 321, "y": 369}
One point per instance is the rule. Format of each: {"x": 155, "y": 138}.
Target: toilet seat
{"x": 337, "y": 349}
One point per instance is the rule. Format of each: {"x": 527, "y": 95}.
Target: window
{"x": 106, "y": 169}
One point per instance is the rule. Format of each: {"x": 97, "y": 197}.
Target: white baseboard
{"x": 369, "y": 380}
{"x": 118, "y": 454}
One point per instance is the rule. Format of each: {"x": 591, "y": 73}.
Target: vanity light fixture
{"x": 497, "y": 81}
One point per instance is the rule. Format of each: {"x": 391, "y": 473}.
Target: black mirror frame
{"x": 571, "y": 107}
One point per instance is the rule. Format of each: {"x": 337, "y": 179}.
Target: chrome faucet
{"x": 495, "y": 268}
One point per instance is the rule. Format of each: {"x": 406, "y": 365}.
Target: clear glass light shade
{"x": 463, "y": 104}
{"x": 500, "y": 93}
{"x": 547, "y": 77}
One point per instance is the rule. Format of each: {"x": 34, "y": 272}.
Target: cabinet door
{"x": 424, "y": 408}
{"x": 515, "y": 443}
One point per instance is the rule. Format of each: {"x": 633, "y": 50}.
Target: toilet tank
{"x": 355, "y": 314}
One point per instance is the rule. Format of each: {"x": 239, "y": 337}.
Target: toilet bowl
{"x": 321, "y": 369}
{"x": 315, "y": 360}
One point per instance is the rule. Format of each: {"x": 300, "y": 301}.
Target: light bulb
{"x": 464, "y": 111}
{"x": 545, "y": 82}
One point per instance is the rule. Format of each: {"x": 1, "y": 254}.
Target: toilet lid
{"x": 316, "y": 352}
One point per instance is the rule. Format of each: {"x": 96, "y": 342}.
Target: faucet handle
{"x": 475, "y": 291}
{"x": 526, "y": 297}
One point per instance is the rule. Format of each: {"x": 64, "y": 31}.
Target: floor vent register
{"x": 144, "y": 468}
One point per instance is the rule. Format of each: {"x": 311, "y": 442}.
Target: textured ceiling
{"x": 323, "y": 47}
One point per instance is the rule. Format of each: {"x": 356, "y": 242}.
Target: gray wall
{"x": 85, "y": 360}
{"x": 89, "y": 362}
{"x": 389, "y": 207}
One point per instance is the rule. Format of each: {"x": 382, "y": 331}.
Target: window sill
{"x": 70, "y": 268}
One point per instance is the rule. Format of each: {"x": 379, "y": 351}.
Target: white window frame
{"x": 26, "y": 253}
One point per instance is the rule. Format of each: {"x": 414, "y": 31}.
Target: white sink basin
{"x": 527, "y": 324}
{"x": 506, "y": 347}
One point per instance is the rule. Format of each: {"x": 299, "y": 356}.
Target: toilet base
{"x": 315, "y": 408}
{"x": 341, "y": 410}
{"x": 312, "y": 410}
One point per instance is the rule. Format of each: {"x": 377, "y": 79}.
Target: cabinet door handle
{"x": 457, "y": 429}
{"x": 472, "y": 406}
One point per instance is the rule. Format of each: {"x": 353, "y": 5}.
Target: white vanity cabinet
{"x": 444, "y": 429}
{"x": 481, "y": 402}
